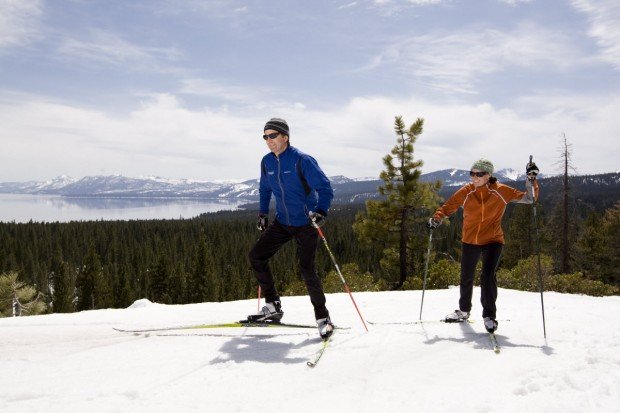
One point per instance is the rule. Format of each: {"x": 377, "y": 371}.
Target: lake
{"x": 43, "y": 208}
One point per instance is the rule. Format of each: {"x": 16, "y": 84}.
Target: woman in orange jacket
{"x": 483, "y": 201}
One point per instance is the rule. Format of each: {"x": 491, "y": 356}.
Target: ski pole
{"x": 428, "y": 256}
{"x": 258, "y": 305}
{"x": 346, "y": 287}
{"x": 540, "y": 279}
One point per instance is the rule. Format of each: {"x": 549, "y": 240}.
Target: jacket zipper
{"x": 288, "y": 219}
{"x": 481, "y": 218}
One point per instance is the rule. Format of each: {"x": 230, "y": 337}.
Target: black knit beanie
{"x": 277, "y": 124}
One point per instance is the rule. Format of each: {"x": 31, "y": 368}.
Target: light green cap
{"x": 483, "y": 165}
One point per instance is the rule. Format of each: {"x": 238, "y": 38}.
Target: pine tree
{"x": 565, "y": 219}
{"x": 202, "y": 285}
{"x": 520, "y": 236}
{"x": 18, "y": 298}
{"x": 63, "y": 282}
{"x": 93, "y": 291}
{"x": 405, "y": 205}
{"x": 598, "y": 246}
{"x": 160, "y": 275}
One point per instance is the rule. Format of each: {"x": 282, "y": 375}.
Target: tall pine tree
{"x": 63, "y": 282}
{"x": 406, "y": 203}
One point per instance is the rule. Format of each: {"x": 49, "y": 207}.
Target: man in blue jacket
{"x": 303, "y": 194}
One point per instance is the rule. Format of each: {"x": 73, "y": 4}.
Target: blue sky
{"x": 182, "y": 89}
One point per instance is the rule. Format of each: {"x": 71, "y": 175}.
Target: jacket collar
{"x": 283, "y": 154}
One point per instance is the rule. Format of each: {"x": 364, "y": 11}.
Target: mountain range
{"x": 114, "y": 186}
{"x": 600, "y": 191}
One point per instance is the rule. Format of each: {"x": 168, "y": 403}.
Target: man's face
{"x": 276, "y": 144}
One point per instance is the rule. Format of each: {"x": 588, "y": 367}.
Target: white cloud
{"x": 19, "y": 22}
{"x": 161, "y": 137}
{"x": 212, "y": 89}
{"x": 111, "y": 49}
{"x": 604, "y": 19}
{"x": 412, "y": 2}
{"x": 348, "y": 5}
{"x": 514, "y": 2}
{"x": 456, "y": 62}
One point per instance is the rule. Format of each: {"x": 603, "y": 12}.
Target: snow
{"x": 144, "y": 302}
{"x": 511, "y": 174}
{"x": 77, "y": 362}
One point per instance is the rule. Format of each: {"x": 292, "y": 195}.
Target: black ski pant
{"x": 274, "y": 237}
{"x": 488, "y": 281}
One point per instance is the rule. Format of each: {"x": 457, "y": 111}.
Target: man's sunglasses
{"x": 271, "y": 135}
{"x": 478, "y": 174}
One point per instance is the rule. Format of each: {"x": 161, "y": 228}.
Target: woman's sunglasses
{"x": 478, "y": 174}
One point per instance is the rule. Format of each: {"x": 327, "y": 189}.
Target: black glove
{"x": 531, "y": 170}
{"x": 432, "y": 223}
{"x": 317, "y": 217}
{"x": 263, "y": 221}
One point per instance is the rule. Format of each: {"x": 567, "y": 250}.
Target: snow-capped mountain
{"x": 346, "y": 190}
{"x": 121, "y": 186}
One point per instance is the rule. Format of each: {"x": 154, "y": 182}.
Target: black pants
{"x": 274, "y": 237}
{"x": 488, "y": 281}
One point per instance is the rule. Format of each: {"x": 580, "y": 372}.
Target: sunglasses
{"x": 271, "y": 135}
{"x": 478, "y": 174}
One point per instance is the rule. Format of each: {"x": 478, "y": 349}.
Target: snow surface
{"x": 78, "y": 363}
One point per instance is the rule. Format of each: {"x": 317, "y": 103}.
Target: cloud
{"x": 406, "y": 2}
{"x": 43, "y": 138}
{"x": 159, "y": 137}
{"x": 212, "y": 9}
{"x": 514, "y": 2}
{"x": 19, "y": 22}
{"x": 604, "y": 19}
{"x": 110, "y": 49}
{"x": 347, "y": 6}
{"x": 230, "y": 93}
{"x": 457, "y": 62}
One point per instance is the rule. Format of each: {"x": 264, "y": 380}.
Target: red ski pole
{"x": 258, "y": 305}
{"x": 346, "y": 287}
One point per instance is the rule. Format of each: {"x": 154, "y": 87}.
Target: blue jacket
{"x": 295, "y": 179}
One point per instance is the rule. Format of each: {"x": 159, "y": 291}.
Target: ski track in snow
{"x": 77, "y": 362}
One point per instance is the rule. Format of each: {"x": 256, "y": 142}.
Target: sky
{"x": 182, "y": 89}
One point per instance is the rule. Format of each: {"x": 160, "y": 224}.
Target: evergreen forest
{"x": 109, "y": 264}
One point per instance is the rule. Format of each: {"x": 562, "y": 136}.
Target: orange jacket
{"x": 483, "y": 209}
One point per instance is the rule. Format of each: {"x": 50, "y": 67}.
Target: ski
{"x": 414, "y": 322}
{"x": 237, "y": 324}
{"x": 204, "y": 334}
{"x": 494, "y": 343}
{"x": 312, "y": 363}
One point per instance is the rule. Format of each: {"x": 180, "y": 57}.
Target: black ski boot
{"x": 326, "y": 327}
{"x": 490, "y": 324}
{"x": 457, "y": 316}
{"x": 271, "y": 312}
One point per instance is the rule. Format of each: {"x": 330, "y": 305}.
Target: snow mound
{"x": 143, "y": 302}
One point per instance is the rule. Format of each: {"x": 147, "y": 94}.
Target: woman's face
{"x": 479, "y": 178}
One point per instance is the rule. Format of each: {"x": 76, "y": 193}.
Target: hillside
{"x": 77, "y": 362}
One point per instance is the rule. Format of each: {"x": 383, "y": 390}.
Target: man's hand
{"x": 263, "y": 222}
{"x": 317, "y": 218}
